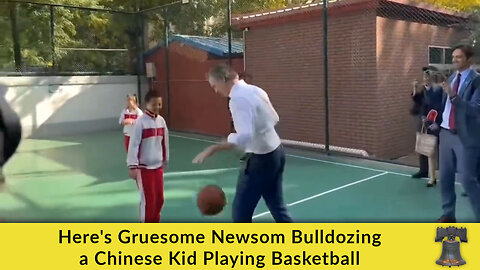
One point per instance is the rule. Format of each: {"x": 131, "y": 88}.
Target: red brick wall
{"x": 194, "y": 107}
{"x": 372, "y": 62}
{"x": 287, "y": 61}
{"x": 352, "y": 76}
{"x": 402, "y": 51}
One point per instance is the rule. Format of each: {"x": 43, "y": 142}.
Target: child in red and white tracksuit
{"x": 128, "y": 117}
{"x": 148, "y": 156}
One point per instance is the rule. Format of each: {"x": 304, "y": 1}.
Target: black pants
{"x": 261, "y": 176}
{"x": 423, "y": 164}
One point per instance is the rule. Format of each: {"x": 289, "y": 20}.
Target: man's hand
{"x": 210, "y": 151}
{"x": 415, "y": 87}
{"x": 200, "y": 158}
{"x": 448, "y": 89}
{"x": 133, "y": 173}
{"x": 434, "y": 127}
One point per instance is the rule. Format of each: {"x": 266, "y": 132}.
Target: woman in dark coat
{"x": 426, "y": 97}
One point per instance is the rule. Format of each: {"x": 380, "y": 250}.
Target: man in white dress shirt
{"x": 254, "y": 119}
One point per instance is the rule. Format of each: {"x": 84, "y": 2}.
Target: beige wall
{"x": 50, "y": 106}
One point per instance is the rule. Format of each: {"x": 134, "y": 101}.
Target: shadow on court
{"x": 84, "y": 179}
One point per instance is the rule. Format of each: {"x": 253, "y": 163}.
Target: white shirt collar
{"x": 240, "y": 82}
{"x": 464, "y": 73}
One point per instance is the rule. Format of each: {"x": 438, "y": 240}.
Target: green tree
{"x": 472, "y": 8}
{"x": 74, "y": 28}
{"x": 81, "y": 29}
{"x": 458, "y": 5}
{"x": 6, "y": 42}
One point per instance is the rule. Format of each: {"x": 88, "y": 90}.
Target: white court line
{"x": 311, "y": 159}
{"x": 349, "y": 165}
{"x": 360, "y": 167}
{"x": 193, "y": 139}
{"x": 326, "y": 192}
{"x": 382, "y": 173}
{"x": 318, "y": 160}
{"x": 199, "y": 172}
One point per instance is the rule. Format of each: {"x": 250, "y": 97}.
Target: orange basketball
{"x": 211, "y": 200}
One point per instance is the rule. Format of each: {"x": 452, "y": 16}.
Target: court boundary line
{"x": 198, "y": 172}
{"x": 326, "y": 192}
{"x": 311, "y": 159}
{"x": 381, "y": 173}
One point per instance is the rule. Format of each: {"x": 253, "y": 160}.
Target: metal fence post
{"x": 139, "y": 52}
{"x": 325, "y": 68}
{"x": 229, "y": 24}
{"x": 167, "y": 61}
{"x": 52, "y": 36}
{"x": 15, "y": 36}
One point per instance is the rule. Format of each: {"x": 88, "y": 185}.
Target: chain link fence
{"x": 55, "y": 39}
{"x": 339, "y": 72}
{"x": 7, "y": 62}
{"x": 100, "y": 42}
{"x": 183, "y": 42}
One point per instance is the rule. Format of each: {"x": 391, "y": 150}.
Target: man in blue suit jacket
{"x": 460, "y": 134}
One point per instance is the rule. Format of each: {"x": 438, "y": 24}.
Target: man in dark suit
{"x": 460, "y": 134}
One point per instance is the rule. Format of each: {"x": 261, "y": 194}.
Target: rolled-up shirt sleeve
{"x": 243, "y": 119}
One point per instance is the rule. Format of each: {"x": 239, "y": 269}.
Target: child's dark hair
{"x": 152, "y": 94}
